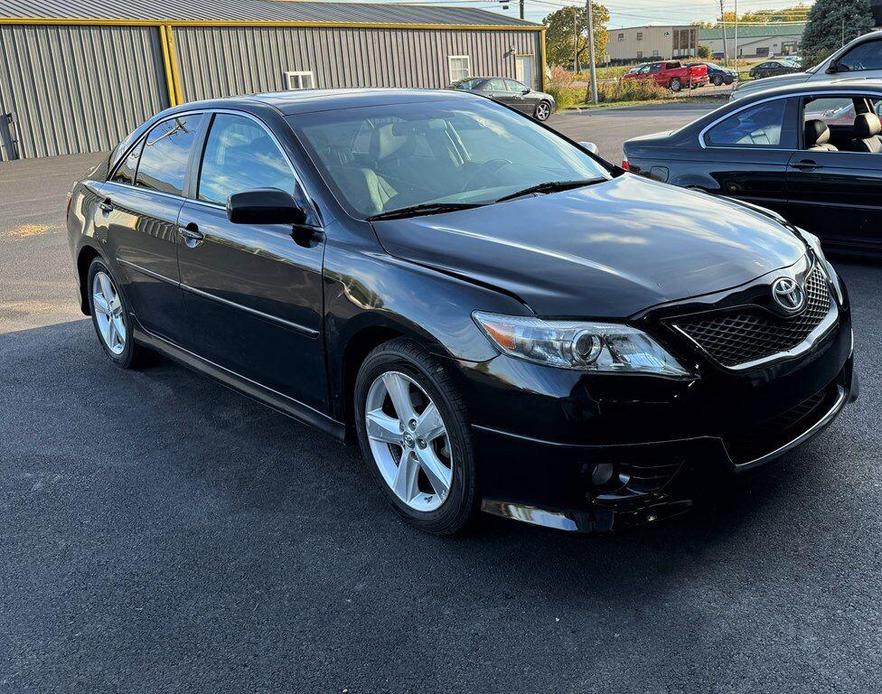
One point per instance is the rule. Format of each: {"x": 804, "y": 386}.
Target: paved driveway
{"x": 159, "y": 532}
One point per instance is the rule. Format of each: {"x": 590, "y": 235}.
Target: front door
{"x": 140, "y": 209}
{"x": 253, "y": 293}
{"x": 524, "y": 70}
{"x": 837, "y": 196}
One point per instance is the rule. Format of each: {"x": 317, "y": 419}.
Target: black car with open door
{"x": 811, "y": 152}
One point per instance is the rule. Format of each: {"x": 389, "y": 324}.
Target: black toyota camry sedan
{"x": 810, "y": 151}
{"x": 499, "y": 318}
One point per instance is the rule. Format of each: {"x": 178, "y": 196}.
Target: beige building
{"x": 635, "y": 44}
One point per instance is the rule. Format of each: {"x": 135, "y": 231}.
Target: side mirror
{"x": 590, "y": 146}
{"x": 833, "y": 68}
{"x": 264, "y": 206}
{"x": 526, "y": 91}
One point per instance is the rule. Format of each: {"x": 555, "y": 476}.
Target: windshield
{"x": 379, "y": 159}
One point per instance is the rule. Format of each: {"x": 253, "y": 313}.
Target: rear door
{"x": 143, "y": 199}
{"x": 836, "y": 195}
{"x": 748, "y": 151}
{"x": 253, "y": 293}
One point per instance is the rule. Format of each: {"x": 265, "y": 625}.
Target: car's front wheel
{"x": 676, "y": 84}
{"x": 543, "y": 111}
{"x": 110, "y": 317}
{"x": 717, "y": 80}
{"x": 414, "y": 434}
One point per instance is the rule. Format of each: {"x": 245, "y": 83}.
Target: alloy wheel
{"x": 543, "y": 111}
{"x": 409, "y": 441}
{"x": 109, "y": 313}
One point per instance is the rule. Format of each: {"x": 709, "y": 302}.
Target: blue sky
{"x": 639, "y": 12}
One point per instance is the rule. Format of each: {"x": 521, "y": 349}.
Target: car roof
{"x": 312, "y": 100}
{"x": 820, "y": 86}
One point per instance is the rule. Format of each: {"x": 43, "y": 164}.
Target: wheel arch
{"x": 84, "y": 260}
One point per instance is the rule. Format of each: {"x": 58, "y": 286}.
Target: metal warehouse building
{"x": 77, "y": 76}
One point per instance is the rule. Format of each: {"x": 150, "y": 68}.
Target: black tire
{"x": 717, "y": 80}
{"x": 542, "y": 114}
{"x": 676, "y": 84}
{"x": 133, "y": 355}
{"x": 407, "y": 357}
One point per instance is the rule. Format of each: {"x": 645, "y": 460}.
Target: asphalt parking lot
{"x": 159, "y": 532}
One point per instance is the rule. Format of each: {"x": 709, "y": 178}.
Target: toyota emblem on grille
{"x": 788, "y": 294}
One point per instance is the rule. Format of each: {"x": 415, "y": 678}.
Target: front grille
{"x": 744, "y": 335}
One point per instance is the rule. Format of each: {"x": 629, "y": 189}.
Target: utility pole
{"x": 723, "y": 24}
{"x": 576, "y": 65}
{"x": 592, "y": 85}
{"x": 521, "y": 3}
{"x": 736, "y": 35}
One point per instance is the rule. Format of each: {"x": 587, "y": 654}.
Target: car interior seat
{"x": 817, "y": 136}
{"x": 867, "y": 127}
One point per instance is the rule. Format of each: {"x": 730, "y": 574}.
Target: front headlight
{"x": 814, "y": 243}
{"x": 586, "y": 346}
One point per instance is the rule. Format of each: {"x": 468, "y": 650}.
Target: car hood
{"x": 608, "y": 250}
{"x": 745, "y": 88}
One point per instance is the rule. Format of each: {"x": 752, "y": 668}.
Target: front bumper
{"x": 540, "y": 433}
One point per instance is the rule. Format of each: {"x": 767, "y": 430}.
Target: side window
{"x": 758, "y": 126}
{"x": 166, "y": 151}
{"x": 867, "y": 56}
{"x": 833, "y": 111}
{"x": 655, "y": 67}
{"x": 125, "y": 173}
{"x": 240, "y": 155}
{"x": 514, "y": 86}
{"x": 494, "y": 86}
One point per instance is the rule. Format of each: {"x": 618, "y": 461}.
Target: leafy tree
{"x": 704, "y": 52}
{"x": 560, "y": 35}
{"x": 797, "y": 13}
{"x": 832, "y": 23}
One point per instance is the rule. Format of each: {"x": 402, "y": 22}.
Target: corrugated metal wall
{"x": 225, "y": 61}
{"x": 78, "y": 88}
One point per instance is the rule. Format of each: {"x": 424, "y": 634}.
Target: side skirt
{"x": 266, "y": 396}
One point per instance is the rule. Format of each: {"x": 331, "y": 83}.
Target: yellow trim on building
{"x": 80, "y": 21}
{"x": 173, "y": 64}
{"x": 543, "y": 61}
{"x": 166, "y": 64}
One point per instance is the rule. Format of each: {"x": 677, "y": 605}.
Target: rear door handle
{"x": 191, "y": 232}
{"x": 806, "y": 165}
{"x": 106, "y": 205}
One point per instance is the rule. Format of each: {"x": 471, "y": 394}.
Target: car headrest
{"x": 866, "y": 125}
{"x": 816, "y": 133}
{"x": 385, "y": 141}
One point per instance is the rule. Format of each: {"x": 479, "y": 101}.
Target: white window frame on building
{"x": 621, "y": 36}
{"x": 639, "y": 35}
{"x": 298, "y": 80}
{"x": 456, "y": 73}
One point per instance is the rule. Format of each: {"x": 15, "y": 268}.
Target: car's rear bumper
{"x": 540, "y": 433}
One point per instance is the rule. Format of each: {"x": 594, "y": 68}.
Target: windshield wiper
{"x": 550, "y": 187}
{"x": 424, "y": 208}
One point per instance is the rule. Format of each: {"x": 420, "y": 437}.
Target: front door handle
{"x": 106, "y": 205}
{"x": 191, "y": 232}
{"x": 806, "y": 165}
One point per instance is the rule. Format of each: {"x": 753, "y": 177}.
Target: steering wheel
{"x": 489, "y": 167}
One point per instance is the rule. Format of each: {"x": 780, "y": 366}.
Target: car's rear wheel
{"x": 543, "y": 111}
{"x": 676, "y": 84}
{"x": 717, "y": 80}
{"x": 414, "y": 435}
{"x": 110, "y": 317}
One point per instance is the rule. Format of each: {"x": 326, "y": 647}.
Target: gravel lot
{"x": 159, "y": 532}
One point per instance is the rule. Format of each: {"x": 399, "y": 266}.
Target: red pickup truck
{"x": 670, "y": 74}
